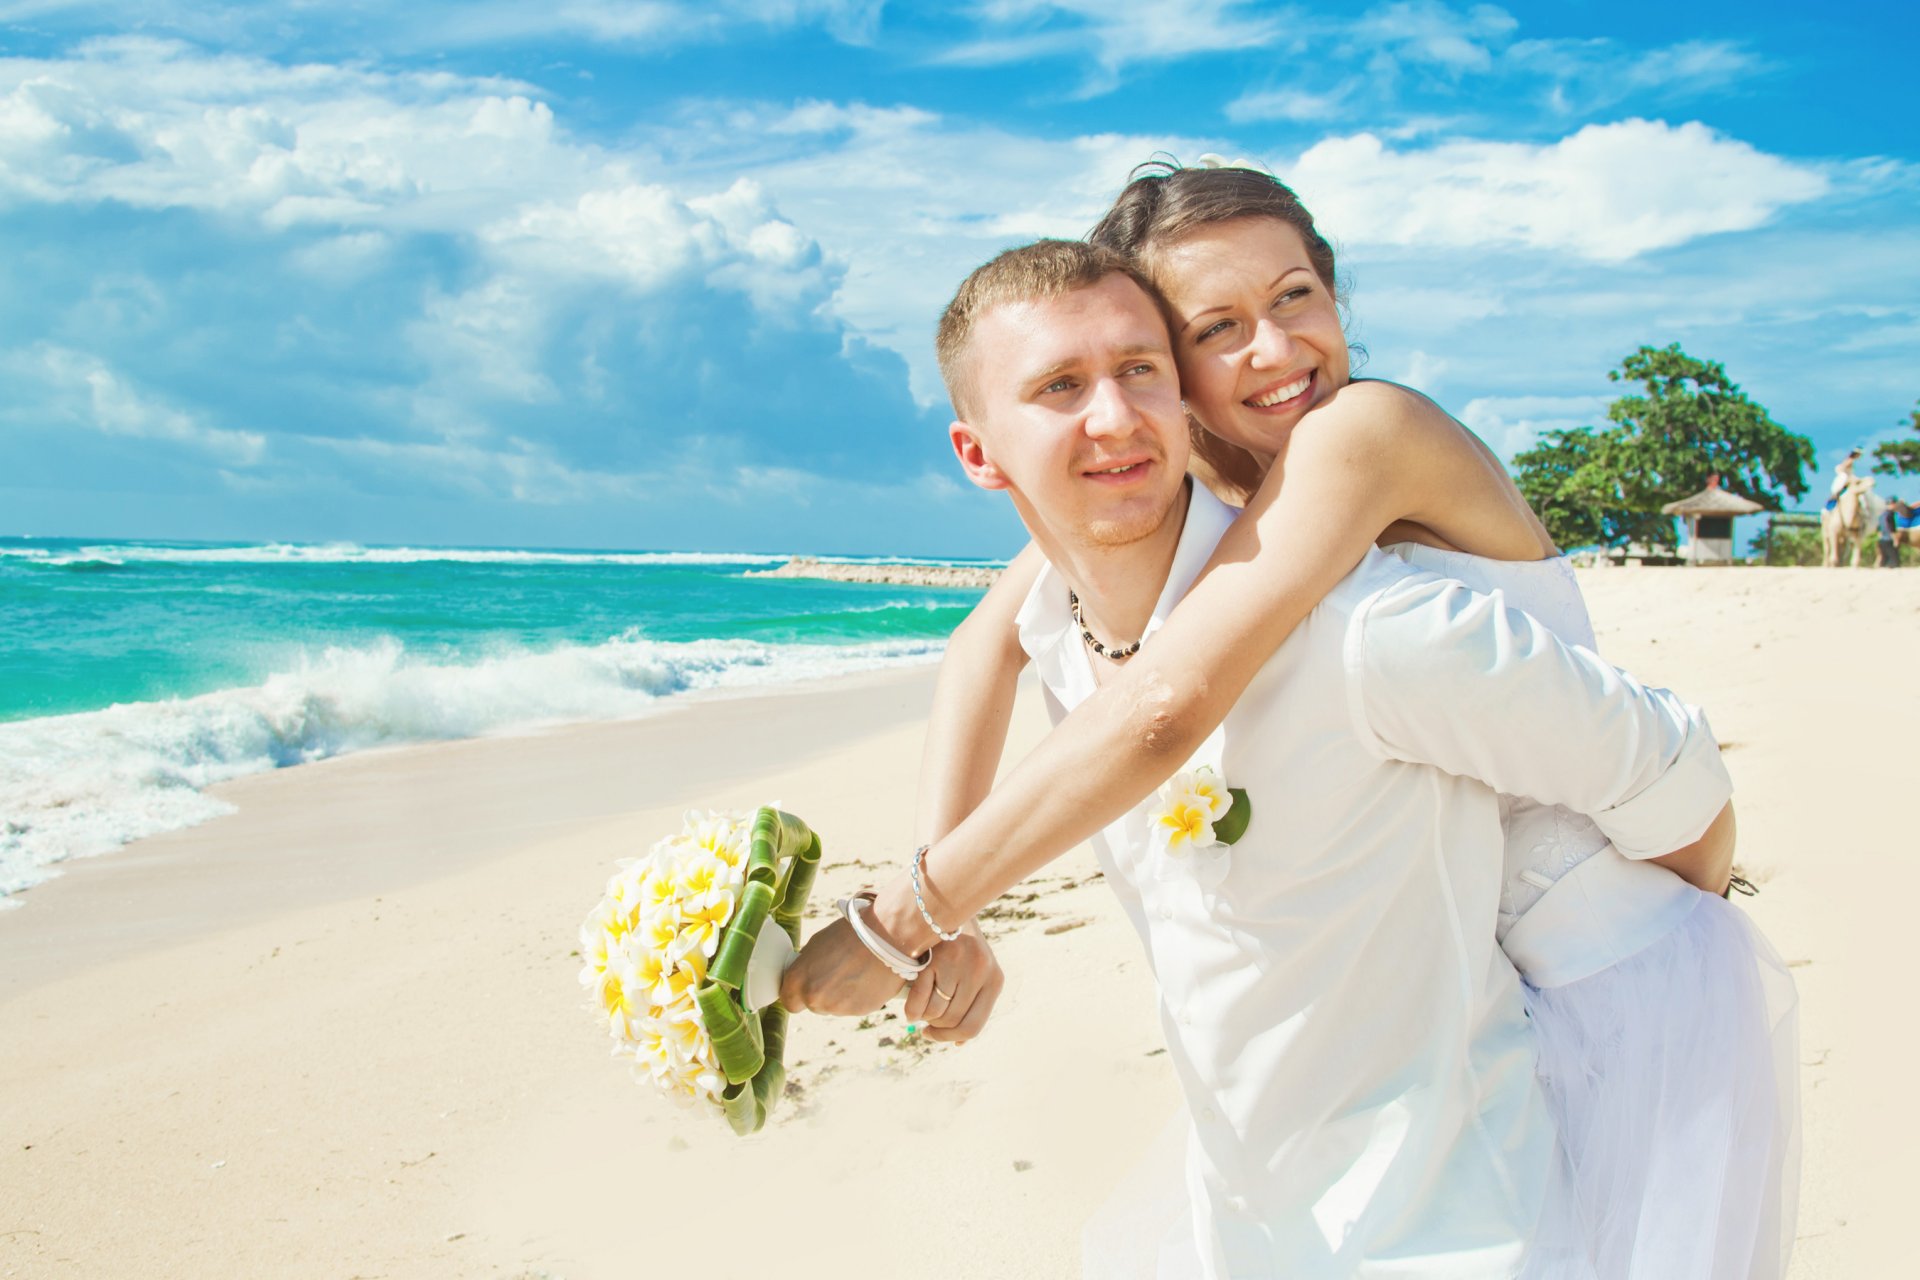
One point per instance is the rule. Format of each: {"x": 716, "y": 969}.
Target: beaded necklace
{"x": 1112, "y": 655}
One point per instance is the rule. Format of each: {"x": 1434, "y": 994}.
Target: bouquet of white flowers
{"x": 684, "y": 956}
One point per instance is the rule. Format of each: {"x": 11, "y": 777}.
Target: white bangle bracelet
{"x": 905, "y": 967}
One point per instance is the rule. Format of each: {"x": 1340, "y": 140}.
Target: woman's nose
{"x": 1272, "y": 344}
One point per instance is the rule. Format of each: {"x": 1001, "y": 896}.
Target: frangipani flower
{"x": 1189, "y": 804}
{"x": 1187, "y": 812}
{"x": 1182, "y": 827}
{"x": 702, "y": 919}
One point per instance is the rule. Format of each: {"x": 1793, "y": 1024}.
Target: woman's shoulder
{"x": 1376, "y": 412}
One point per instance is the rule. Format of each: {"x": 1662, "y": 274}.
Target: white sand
{"x": 338, "y": 1033}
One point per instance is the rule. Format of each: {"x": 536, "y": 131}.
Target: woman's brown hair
{"x": 1163, "y": 202}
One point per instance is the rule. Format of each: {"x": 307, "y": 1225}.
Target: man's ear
{"x": 972, "y": 452}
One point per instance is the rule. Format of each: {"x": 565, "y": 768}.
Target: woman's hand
{"x": 835, "y": 973}
{"x": 953, "y": 997}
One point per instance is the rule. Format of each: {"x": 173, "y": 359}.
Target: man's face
{"x": 1076, "y": 412}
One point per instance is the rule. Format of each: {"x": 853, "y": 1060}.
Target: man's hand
{"x": 835, "y": 973}
{"x": 956, "y": 992}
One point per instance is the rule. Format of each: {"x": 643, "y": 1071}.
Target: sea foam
{"x": 77, "y": 785}
{"x": 297, "y": 553}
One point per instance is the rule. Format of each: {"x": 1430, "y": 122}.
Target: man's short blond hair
{"x": 1031, "y": 273}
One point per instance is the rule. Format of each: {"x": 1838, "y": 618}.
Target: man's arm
{"x": 1443, "y": 675}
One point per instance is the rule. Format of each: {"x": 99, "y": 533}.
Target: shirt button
{"x": 1186, "y": 1019}
{"x": 1166, "y": 913}
{"x": 1237, "y": 1203}
{"x": 1208, "y": 1113}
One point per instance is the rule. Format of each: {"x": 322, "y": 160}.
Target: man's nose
{"x": 1272, "y": 345}
{"x": 1110, "y": 410}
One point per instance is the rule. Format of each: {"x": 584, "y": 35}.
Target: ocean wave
{"x": 298, "y": 553}
{"x": 77, "y": 785}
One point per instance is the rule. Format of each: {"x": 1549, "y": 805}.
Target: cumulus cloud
{"x": 1606, "y": 192}
{"x": 83, "y": 390}
{"x": 1511, "y": 424}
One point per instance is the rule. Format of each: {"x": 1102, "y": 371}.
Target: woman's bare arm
{"x": 966, "y": 732}
{"x": 1373, "y": 457}
{"x": 1707, "y": 863}
{"x": 973, "y": 703}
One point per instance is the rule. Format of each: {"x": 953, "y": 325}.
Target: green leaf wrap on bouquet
{"x": 796, "y": 882}
{"x": 783, "y": 858}
{"x": 736, "y": 944}
{"x": 736, "y": 1033}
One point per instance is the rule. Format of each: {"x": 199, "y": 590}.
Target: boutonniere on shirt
{"x": 1196, "y": 810}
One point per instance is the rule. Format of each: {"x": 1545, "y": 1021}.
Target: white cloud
{"x": 1510, "y": 424}
{"x": 1117, "y": 33}
{"x": 1433, "y": 34}
{"x": 1592, "y": 74}
{"x": 85, "y": 391}
{"x": 908, "y": 202}
{"x": 1607, "y": 192}
{"x": 648, "y": 26}
{"x": 1291, "y": 104}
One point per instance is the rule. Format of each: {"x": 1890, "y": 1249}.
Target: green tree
{"x": 1606, "y": 485}
{"x": 1899, "y": 457}
{"x": 1570, "y": 485}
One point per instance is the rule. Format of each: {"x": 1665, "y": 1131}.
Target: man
{"x": 1896, "y": 516}
{"x": 1351, "y": 1042}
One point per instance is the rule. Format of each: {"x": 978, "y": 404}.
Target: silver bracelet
{"x": 905, "y": 967}
{"x": 913, "y": 870}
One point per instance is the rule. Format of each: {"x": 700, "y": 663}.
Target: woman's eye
{"x": 1291, "y": 295}
{"x": 1217, "y": 327}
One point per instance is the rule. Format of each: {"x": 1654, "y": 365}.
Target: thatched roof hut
{"x": 1710, "y": 514}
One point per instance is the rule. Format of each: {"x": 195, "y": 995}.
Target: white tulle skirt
{"x": 1674, "y": 1079}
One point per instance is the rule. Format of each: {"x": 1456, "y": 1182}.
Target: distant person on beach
{"x": 1339, "y": 961}
{"x": 1897, "y": 516}
{"x": 1843, "y": 474}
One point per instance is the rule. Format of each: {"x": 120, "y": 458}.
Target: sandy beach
{"x": 338, "y": 1033}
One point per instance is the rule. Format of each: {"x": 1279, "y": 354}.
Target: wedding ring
{"x": 944, "y": 995}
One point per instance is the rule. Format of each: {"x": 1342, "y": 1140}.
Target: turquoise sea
{"x": 135, "y": 673}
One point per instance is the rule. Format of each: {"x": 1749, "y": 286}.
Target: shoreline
{"x": 143, "y": 894}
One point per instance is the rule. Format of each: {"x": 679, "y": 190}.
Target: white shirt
{"x": 1350, "y": 1040}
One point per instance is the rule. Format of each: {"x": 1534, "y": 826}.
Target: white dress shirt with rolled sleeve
{"x": 1350, "y": 1040}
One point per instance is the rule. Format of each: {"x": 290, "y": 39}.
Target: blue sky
{"x": 664, "y": 275}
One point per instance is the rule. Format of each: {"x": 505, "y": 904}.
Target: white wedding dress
{"x": 1667, "y": 1045}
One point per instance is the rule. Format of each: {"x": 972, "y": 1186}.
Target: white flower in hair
{"x": 1212, "y": 160}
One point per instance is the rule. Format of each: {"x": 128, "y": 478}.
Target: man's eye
{"x": 1142, "y": 367}
{"x": 1058, "y": 384}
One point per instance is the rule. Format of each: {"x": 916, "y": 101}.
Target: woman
{"x": 1658, "y": 1047}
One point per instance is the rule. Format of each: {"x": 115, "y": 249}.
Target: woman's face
{"x": 1256, "y": 332}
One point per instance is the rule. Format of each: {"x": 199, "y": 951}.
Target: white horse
{"x": 1850, "y": 520}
